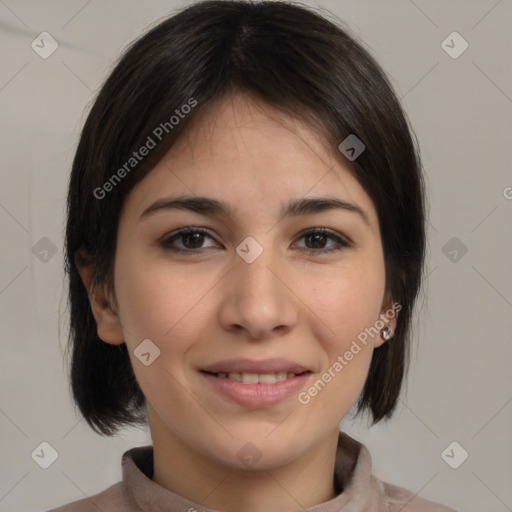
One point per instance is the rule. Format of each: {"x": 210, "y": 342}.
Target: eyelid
{"x": 316, "y": 229}
{"x": 177, "y": 233}
{"x": 341, "y": 241}
{"x": 321, "y": 229}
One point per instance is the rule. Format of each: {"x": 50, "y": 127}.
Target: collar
{"x": 357, "y": 490}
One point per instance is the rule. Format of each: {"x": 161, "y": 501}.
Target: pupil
{"x": 194, "y": 235}
{"x": 316, "y": 236}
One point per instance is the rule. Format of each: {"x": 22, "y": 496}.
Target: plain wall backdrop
{"x": 460, "y": 106}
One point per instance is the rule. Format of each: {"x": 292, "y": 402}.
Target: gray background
{"x": 459, "y": 387}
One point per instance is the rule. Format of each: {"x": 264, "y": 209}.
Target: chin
{"x": 262, "y": 449}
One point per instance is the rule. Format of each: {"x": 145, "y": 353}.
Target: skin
{"x": 214, "y": 305}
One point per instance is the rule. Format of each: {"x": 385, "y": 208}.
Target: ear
{"x": 388, "y": 314}
{"x": 107, "y": 320}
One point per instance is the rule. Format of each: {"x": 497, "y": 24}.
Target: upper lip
{"x": 241, "y": 365}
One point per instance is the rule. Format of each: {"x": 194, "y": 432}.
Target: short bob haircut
{"x": 293, "y": 59}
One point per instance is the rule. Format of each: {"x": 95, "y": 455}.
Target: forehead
{"x": 250, "y": 154}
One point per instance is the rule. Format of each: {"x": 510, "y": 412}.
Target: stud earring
{"x": 387, "y": 333}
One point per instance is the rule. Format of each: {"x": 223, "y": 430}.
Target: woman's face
{"x": 201, "y": 299}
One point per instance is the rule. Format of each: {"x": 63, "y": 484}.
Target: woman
{"x": 245, "y": 244}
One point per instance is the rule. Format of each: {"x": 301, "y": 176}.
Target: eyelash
{"x": 341, "y": 243}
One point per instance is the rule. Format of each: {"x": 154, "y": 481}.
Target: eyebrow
{"x": 214, "y": 207}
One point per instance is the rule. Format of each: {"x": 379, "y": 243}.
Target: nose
{"x": 259, "y": 298}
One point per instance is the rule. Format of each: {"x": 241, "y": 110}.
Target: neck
{"x": 298, "y": 485}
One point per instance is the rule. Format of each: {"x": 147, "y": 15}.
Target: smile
{"x": 251, "y": 390}
{"x": 256, "y": 378}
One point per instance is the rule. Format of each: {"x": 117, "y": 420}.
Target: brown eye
{"x": 317, "y": 238}
{"x": 191, "y": 239}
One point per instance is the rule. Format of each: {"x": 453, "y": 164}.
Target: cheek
{"x": 348, "y": 306}
{"x": 164, "y": 307}
{"x": 161, "y": 304}
{"x": 347, "y": 302}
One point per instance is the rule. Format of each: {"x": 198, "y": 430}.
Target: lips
{"x": 255, "y": 395}
{"x": 265, "y": 366}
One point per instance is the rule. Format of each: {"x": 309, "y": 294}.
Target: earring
{"x": 387, "y": 333}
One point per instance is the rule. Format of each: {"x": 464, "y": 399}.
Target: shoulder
{"x": 400, "y": 499}
{"x": 111, "y": 499}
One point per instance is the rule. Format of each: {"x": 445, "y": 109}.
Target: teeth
{"x": 248, "y": 378}
{"x": 255, "y": 378}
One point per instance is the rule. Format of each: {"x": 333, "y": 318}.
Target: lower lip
{"x": 256, "y": 395}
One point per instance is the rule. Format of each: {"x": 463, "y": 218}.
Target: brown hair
{"x": 293, "y": 59}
